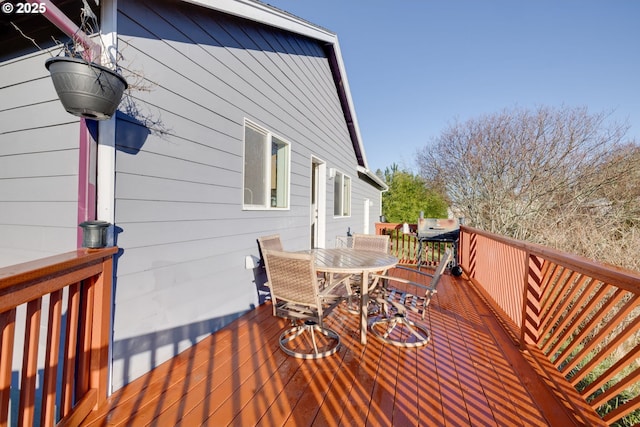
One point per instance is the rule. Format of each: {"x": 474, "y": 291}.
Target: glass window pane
{"x": 254, "y": 167}
{"x": 337, "y": 194}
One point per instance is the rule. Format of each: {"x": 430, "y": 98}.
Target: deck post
{"x": 531, "y": 300}
{"x": 100, "y": 336}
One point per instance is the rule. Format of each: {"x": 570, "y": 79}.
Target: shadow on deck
{"x": 470, "y": 374}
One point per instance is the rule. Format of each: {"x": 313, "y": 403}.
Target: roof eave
{"x": 376, "y": 180}
{"x": 266, "y": 14}
{"x": 269, "y": 15}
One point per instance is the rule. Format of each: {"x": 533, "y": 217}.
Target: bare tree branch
{"x": 560, "y": 177}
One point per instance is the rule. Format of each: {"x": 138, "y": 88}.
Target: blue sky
{"x": 416, "y": 66}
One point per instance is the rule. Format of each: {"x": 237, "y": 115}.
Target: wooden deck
{"x": 470, "y": 374}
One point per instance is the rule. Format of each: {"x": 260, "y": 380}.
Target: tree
{"x": 547, "y": 175}
{"x": 408, "y": 195}
{"x": 612, "y": 220}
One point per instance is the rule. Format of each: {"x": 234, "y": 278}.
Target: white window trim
{"x": 342, "y": 194}
{"x": 267, "y": 160}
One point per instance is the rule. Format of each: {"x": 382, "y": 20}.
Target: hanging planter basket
{"x": 86, "y": 89}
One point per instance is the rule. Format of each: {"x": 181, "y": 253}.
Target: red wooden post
{"x": 473, "y": 244}
{"x": 101, "y": 331}
{"x": 531, "y": 300}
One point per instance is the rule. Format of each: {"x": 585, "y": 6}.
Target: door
{"x": 367, "y": 206}
{"x": 318, "y": 203}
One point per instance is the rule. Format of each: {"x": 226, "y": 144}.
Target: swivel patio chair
{"x": 365, "y": 242}
{"x": 271, "y": 242}
{"x": 394, "y": 327}
{"x": 371, "y": 242}
{"x": 296, "y": 295}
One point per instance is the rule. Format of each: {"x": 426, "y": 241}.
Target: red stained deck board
{"x": 239, "y": 376}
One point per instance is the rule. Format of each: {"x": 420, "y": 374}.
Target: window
{"x": 266, "y": 169}
{"x": 341, "y": 195}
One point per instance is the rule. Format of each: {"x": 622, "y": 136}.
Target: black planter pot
{"x": 86, "y": 89}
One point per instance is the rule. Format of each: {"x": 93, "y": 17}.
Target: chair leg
{"x": 312, "y": 330}
{"x": 327, "y": 338}
{"x": 352, "y": 304}
{"x": 399, "y": 331}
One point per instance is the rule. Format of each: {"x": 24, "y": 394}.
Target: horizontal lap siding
{"x": 179, "y": 212}
{"x": 38, "y": 164}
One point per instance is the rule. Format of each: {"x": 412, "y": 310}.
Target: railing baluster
{"x": 628, "y": 331}
{"x": 589, "y": 338}
{"x": 7, "y": 334}
{"x": 563, "y": 362}
{"x": 84, "y": 336}
{"x": 27, "y": 403}
{"x": 71, "y": 344}
{"x": 554, "y": 326}
{"x": 51, "y": 359}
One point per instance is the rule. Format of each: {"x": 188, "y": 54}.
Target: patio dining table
{"x": 354, "y": 261}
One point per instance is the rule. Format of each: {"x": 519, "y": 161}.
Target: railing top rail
{"x": 623, "y": 278}
{"x": 44, "y": 267}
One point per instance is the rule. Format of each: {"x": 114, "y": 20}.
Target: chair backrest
{"x": 271, "y": 242}
{"x": 444, "y": 262}
{"x": 371, "y": 242}
{"x": 292, "y": 278}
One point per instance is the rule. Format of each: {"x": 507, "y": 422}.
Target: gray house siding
{"x": 197, "y": 76}
{"x": 38, "y": 163}
{"x": 179, "y": 190}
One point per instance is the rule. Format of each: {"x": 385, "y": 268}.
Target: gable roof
{"x": 274, "y": 17}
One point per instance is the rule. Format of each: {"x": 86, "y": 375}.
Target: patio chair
{"x": 394, "y": 327}
{"x": 271, "y": 242}
{"x": 296, "y": 295}
{"x": 365, "y": 242}
{"x": 371, "y": 242}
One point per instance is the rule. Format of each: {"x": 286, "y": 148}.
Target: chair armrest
{"x": 335, "y": 281}
{"x": 330, "y": 297}
{"x": 401, "y": 280}
{"x": 422, "y": 273}
{"x": 389, "y": 295}
{"x": 330, "y": 301}
{"x": 327, "y": 293}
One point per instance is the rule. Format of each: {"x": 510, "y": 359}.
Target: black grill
{"x": 439, "y": 230}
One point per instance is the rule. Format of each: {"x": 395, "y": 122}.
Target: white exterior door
{"x": 367, "y": 205}
{"x": 318, "y": 203}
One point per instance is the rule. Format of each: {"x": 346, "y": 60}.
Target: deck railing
{"x": 577, "y": 316}
{"x": 405, "y": 246}
{"x": 577, "y": 320}
{"x": 63, "y": 373}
